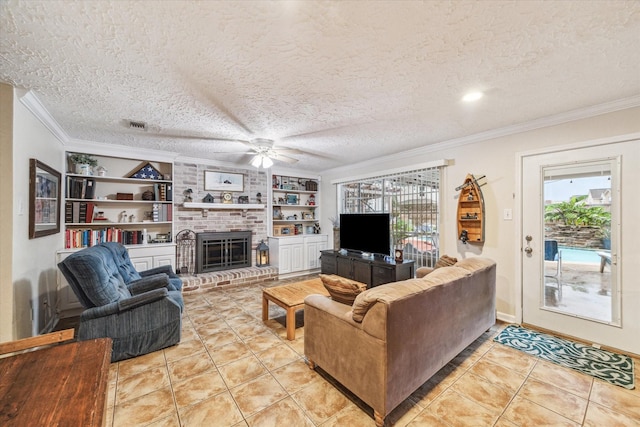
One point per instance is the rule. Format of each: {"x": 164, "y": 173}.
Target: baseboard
{"x": 507, "y": 318}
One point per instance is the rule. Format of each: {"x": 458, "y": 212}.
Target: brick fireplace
{"x": 217, "y": 220}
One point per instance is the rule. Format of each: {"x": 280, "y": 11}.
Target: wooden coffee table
{"x": 291, "y": 298}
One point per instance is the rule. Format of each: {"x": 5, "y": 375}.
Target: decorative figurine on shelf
{"x": 259, "y": 198}
{"x": 187, "y": 195}
{"x": 101, "y": 171}
{"x": 311, "y": 201}
{"x": 148, "y": 195}
{"x": 123, "y": 216}
{"x": 132, "y": 218}
{"x": 470, "y": 196}
{"x": 227, "y": 197}
{"x": 208, "y": 198}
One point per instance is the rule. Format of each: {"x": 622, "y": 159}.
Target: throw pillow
{"x": 445, "y": 261}
{"x": 341, "y": 289}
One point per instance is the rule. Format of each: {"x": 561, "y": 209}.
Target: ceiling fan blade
{"x": 283, "y": 158}
{"x": 287, "y": 150}
{"x": 203, "y": 92}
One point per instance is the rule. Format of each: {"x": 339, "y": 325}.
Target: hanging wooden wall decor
{"x": 471, "y": 211}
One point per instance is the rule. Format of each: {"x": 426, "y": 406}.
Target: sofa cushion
{"x": 445, "y": 261}
{"x": 404, "y": 289}
{"x": 341, "y": 289}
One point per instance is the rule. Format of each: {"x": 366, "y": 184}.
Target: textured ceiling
{"x": 343, "y": 81}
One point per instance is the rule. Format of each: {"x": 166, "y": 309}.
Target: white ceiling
{"x": 343, "y": 81}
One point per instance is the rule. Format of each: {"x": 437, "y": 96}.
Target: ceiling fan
{"x": 264, "y": 153}
{"x": 262, "y": 150}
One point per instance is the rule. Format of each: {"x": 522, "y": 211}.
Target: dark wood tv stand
{"x": 373, "y": 272}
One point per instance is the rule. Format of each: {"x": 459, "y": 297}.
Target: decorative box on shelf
{"x": 283, "y": 230}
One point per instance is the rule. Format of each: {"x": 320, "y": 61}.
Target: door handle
{"x": 528, "y": 249}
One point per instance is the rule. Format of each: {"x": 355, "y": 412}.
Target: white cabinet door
{"x": 297, "y": 257}
{"x": 285, "y": 259}
{"x": 160, "y": 260}
{"x": 145, "y": 257}
{"x": 314, "y": 244}
{"x": 142, "y": 263}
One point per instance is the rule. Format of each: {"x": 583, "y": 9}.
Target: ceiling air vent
{"x": 137, "y": 125}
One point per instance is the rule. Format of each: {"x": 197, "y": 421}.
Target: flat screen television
{"x": 365, "y": 232}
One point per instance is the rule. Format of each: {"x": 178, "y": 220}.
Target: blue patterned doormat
{"x": 611, "y": 367}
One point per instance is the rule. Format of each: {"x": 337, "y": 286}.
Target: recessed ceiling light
{"x": 472, "y": 96}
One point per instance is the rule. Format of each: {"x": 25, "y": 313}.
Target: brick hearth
{"x": 228, "y": 278}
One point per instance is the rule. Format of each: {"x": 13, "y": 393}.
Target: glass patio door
{"x": 571, "y": 233}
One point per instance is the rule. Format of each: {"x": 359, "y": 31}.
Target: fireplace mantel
{"x": 222, "y": 206}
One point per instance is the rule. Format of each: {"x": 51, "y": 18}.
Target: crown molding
{"x": 117, "y": 150}
{"x": 31, "y": 101}
{"x": 211, "y": 162}
{"x": 543, "y": 122}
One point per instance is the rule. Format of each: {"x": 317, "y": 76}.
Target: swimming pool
{"x": 579, "y": 255}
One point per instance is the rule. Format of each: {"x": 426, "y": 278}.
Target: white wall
{"x": 34, "y": 264}
{"x": 6, "y": 212}
{"x": 495, "y": 158}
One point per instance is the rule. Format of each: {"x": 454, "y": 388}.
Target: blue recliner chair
{"x": 140, "y": 317}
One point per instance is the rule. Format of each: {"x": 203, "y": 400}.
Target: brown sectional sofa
{"x": 396, "y": 336}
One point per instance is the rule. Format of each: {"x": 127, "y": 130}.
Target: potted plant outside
{"x": 83, "y": 163}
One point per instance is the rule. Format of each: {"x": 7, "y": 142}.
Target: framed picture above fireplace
{"x": 223, "y": 181}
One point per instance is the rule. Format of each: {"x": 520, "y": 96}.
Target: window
{"x": 412, "y": 198}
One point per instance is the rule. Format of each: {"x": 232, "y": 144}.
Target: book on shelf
{"x": 76, "y": 239}
{"x": 80, "y": 188}
{"x": 68, "y": 212}
{"x": 156, "y": 212}
{"x": 76, "y": 212}
{"x": 88, "y": 218}
{"x": 79, "y": 212}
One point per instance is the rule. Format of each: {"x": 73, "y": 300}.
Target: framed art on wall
{"x": 44, "y": 199}
{"x": 223, "y": 181}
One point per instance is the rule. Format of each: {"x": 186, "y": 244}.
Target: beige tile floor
{"x": 231, "y": 369}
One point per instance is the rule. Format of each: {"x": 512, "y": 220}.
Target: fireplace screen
{"x": 223, "y": 251}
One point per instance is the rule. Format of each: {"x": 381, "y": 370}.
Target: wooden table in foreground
{"x": 291, "y": 298}
{"x": 64, "y": 385}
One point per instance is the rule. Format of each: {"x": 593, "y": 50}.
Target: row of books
{"x": 163, "y": 192}
{"x": 85, "y": 238}
{"x": 83, "y": 213}
{"x": 162, "y": 212}
{"x": 81, "y": 188}
{"x": 78, "y": 212}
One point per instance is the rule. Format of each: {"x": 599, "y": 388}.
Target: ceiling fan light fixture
{"x": 267, "y": 162}
{"x": 257, "y": 161}
{"x": 262, "y": 160}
